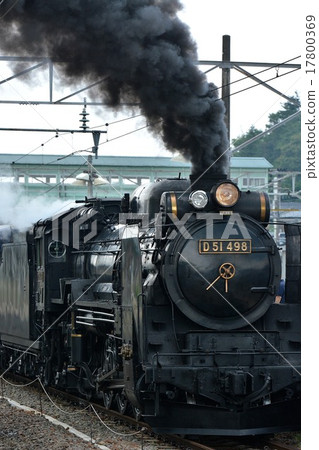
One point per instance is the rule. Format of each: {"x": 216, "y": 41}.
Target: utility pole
{"x": 90, "y": 180}
{"x": 276, "y": 205}
{"x": 91, "y": 175}
{"x": 84, "y": 120}
{"x": 226, "y": 81}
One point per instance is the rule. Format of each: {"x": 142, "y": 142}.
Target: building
{"x": 70, "y": 177}
{"x": 250, "y": 172}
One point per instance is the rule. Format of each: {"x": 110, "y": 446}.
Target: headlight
{"x": 198, "y": 199}
{"x": 227, "y": 194}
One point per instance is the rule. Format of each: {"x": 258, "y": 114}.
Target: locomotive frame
{"x": 163, "y": 303}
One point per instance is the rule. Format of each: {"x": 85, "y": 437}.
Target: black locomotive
{"x": 162, "y": 303}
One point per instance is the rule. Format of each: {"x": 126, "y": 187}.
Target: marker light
{"x": 227, "y": 194}
{"x": 198, "y": 199}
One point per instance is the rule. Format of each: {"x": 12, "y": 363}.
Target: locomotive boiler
{"x": 161, "y": 303}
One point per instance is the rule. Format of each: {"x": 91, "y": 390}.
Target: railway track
{"x": 144, "y": 438}
{"x": 167, "y": 441}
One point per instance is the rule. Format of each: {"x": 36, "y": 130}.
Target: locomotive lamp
{"x": 226, "y": 194}
{"x": 90, "y": 179}
{"x": 198, "y": 199}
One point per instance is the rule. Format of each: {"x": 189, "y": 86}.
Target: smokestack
{"x": 144, "y": 54}
{"x": 206, "y": 180}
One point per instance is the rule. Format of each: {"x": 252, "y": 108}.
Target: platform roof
{"x": 137, "y": 161}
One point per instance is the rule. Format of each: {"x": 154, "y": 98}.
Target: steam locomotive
{"x": 161, "y": 303}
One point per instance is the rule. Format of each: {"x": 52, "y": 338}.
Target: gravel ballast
{"x": 24, "y": 429}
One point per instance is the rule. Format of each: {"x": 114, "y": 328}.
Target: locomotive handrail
{"x": 98, "y": 319}
{"x": 218, "y": 352}
{"x": 95, "y": 312}
{"x": 94, "y": 252}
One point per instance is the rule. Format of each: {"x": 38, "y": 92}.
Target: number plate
{"x": 211, "y": 246}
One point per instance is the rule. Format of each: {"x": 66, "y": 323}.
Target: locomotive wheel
{"x": 136, "y": 412}
{"x": 82, "y": 385}
{"x": 121, "y": 402}
{"x": 108, "y": 398}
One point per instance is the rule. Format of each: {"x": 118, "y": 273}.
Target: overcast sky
{"x": 260, "y": 32}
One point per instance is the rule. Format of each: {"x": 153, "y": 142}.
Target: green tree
{"x": 287, "y": 110}
{"x": 253, "y": 149}
{"x": 280, "y": 147}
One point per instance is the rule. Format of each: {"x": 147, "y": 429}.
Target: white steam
{"x": 22, "y": 212}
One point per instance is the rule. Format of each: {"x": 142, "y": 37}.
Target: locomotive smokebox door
{"x": 210, "y": 277}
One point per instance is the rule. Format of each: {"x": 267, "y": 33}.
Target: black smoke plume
{"x": 144, "y": 54}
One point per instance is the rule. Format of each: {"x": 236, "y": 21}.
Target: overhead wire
{"x": 147, "y": 125}
{"x": 126, "y": 118}
{"x": 258, "y": 84}
{"x": 61, "y": 182}
{"x": 267, "y": 131}
{"x": 108, "y": 140}
{"x": 9, "y": 9}
{"x": 134, "y": 131}
{"x": 274, "y": 66}
{"x": 88, "y": 149}
{"x": 234, "y": 93}
{"x": 36, "y": 148}
{"x": 86, "y": 408}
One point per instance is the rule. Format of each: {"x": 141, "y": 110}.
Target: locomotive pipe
{"x": 97, "y": 319}
{"x": 92, "y": 312}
